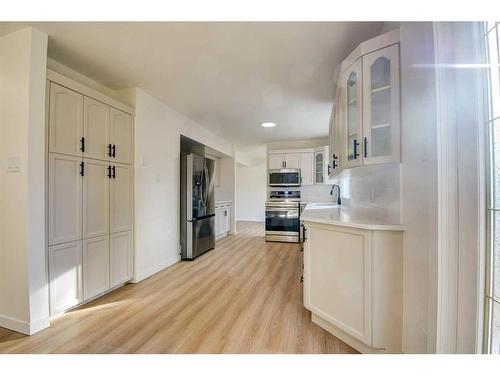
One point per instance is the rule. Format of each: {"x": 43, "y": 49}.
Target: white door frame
{"x": 461, "y": 188}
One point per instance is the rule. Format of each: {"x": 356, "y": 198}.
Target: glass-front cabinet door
{"x": 352, "y": 90}
{"x": 381, "y": 134}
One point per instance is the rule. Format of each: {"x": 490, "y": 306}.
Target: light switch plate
{"x": 13, "y": 164}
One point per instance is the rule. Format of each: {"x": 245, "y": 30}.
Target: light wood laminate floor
{"x": 242, "y": 297}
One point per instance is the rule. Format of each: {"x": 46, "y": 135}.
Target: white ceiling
{"x": 227, "y": 76}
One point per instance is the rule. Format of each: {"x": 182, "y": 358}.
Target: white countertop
{"x": 354, "y": 217}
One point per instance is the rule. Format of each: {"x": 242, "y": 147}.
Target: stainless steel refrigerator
{"x": 197, "y": 205}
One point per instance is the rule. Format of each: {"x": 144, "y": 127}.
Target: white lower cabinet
{"x": 65, "y": 276}
{"x": 120, "y": 258}
{"x": 353, "y": 285}
{"x": 95, "y": 266}
{"x": 222, "y": 219}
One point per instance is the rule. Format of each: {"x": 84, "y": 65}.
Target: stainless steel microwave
{"x": 284, "y": 177}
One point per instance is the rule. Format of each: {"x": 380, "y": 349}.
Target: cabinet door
{"x": 381, "y": 128}
{"x": 96, "y": 129}
{"x": 292, "y": 160}
{"x": 219, "y": 224}
{"x": 227, "y": 219}
{"x": 306, "y": 168}
{"x": 65, "y": 198}
{"x": 65, "y": 120}
{"x": 319, "y": 167}
{"x": 276, "y": 161}
{"x": 120, "y": 245}
{"x": 352, "y": 89}
{"x": 336, "y": 136}
{"x": 120, "y": 194}
{"x": 121, "y": 135}
{"x": 65, "y": 276}
{"x": 337, "y": 271}
{"x": 95, "y": 266}
{"x": 95, "y": 198}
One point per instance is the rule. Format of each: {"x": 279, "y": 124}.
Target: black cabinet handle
{"x": 114, "y": 151}
{"x": 356, "y": 151}
{"x": 82, "y": 169}
{"x": 365, "y": 147}
{"x": 113, "y": 168}
{"x": 109, "y": 171}
{"x": 82, "y": 144}
{"x": 334, "y": 164}
{"x": 109, "y": 150}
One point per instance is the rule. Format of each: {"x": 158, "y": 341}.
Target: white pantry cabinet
{"x": 96, "y": 177}
{"x": 96, "y": 129}
{"x": 121, "y": 134}
{"x": 95, "y": 266}
{"x": 65, "y": 276}
{"x": 65, "y": 120}
{"x": 90, "y": 194}
{"x": 120, "y": 258}
{"x": 121, "y": 202}
{"x": 65, "y": 198}
{"x": 353, "y": 285}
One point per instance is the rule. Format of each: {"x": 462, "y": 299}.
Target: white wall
{"x": 250, "y": 192}
{"x": 23, "y": 283}
{"x": 157, "y": 174}
{"x": 251, "y": 182}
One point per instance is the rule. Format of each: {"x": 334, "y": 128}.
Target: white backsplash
{"x": 316, "y": 194}
{"x": 373, "y": 186}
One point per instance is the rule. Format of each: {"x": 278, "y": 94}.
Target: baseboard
{"x": 348, "y": 339}
{"x": 22, "y": 326}
{"x": 152, "y": 270}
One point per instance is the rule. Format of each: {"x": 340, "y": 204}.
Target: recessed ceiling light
{"x": 268, "y": 124}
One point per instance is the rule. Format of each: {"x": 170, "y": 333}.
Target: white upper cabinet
{"x": 96, "y": 129}
{"x": 365, "y": 123}
{"x": 351, "y": 82}
{"x": 276, "y": 161}
{"x": 65, "y": 121}
{"x": 120, "y": 189}
{"x": 96, "y": 198}
{"x": 121, "y": 135}
{"x": 65, "y": 198}
{"x": 306, "y": 168}
{"x": 319, "y": 167}
{"x": 381, "y": 106}
{"x": 292, "y": 160}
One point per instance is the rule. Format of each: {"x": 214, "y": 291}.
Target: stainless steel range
{"x": 283, "y": 216}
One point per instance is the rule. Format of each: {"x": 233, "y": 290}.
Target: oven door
{"x": 282, "y": 221}
{"x": 284, "y": 177}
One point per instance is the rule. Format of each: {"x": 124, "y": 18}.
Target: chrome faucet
{"x": 338, "y": 196}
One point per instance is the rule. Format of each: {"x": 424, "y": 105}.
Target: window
{"x": 492, "y": 302}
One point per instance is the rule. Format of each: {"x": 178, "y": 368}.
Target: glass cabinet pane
{"x": 380, "y": 116}
{"x": 318, "y": 175}
{"x": 352, "y": 114}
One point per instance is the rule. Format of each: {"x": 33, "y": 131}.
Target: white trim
{"x": 144, "y": 274}
{"x": 53, "y": 76}
{"x": 22, "y": 326}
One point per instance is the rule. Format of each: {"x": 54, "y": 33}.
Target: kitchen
{"x": 294, "y": 220}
